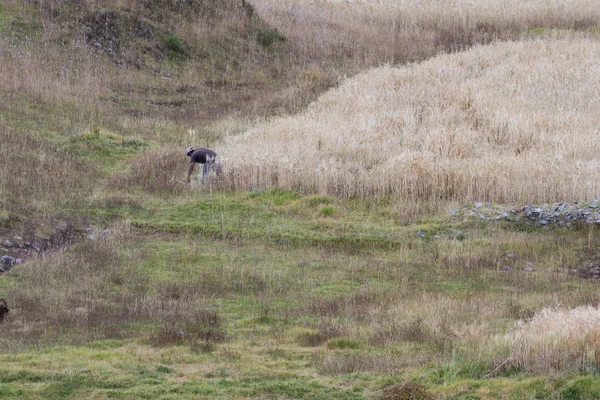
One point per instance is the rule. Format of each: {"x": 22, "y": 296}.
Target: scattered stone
{"x": 91, "y": 237}
{"x": 529, "y": 264}
{"x": 421, "y": 233}
{"x": 107, "y": 230}
{"x": 4, "y": 250}
{"x": 557, "y": 214}
{"x": 506, "y": 268}
{"x": 592, "y": 270}
{"x": 529, "y": 269}
{"x": 9, "y": 243}
{"x": 19, "y": 238}
{"x": 18, "y": 261}
{"x": 512, "y": 256}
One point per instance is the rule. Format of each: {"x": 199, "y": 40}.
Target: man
{"x": 202, "y": 156}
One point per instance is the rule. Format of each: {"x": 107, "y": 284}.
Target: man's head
{"x": 189, "y": 151}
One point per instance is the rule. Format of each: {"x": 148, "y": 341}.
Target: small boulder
{"x": 6, "y": 263}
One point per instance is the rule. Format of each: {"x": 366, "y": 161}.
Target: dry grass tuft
{"x": 553, "y": 340}
{"x": 406, "y": 391}
{"x": 156, "y": 171}
{"x": 507, "y": 122}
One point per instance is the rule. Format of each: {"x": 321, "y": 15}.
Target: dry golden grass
{"x": 506, "y": 122}
{"x": 362, "y": 33}
{"x": 553, "y": 340}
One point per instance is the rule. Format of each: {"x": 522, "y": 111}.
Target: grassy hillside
{"x": 366, "y": 33}
{"x": 88, "y": 87}
{"x": 237, "y": 290}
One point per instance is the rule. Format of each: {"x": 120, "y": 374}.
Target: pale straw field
{"x": 552, "y": 340}
{"x": 513, "y": 121}
{"x": 368, "y": 31}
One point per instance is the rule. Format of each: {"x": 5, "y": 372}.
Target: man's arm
{"x": 190, "y": 170}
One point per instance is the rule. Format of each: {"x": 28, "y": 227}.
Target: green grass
{"x": 289, "y": 308}
{"x": 267, "y": 294}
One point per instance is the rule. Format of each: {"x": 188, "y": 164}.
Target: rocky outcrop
{"x": 16, "y": 250}
{"x": 557, "y": 214}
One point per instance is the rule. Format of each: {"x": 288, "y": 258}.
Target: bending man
{"x": 202, "y": 156}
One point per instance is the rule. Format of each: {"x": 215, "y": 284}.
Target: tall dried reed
{"x": 506, "y": 122}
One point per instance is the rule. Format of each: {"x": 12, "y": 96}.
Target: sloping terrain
{"x": 127, "y": 283}
{"x": 87, "y": 87}
{"x": 504, "y": 122}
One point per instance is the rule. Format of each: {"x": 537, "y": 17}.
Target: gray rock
{"x": 529, "y": 269}
{"x": 479, "y": 205}
{"x": 512, "y": 256}
{"x": 6, "y": 263}
{"x": 543, "y": 222}
{"x": 593, "y": 203}
{"x": 506, "y": 268}
{"x": 18, "y": 238}
{"x": 107, "y": 230}
{"x": 421, "y": 233}
{"x": 18, "y": 261}
{"x": 9, "y": 243}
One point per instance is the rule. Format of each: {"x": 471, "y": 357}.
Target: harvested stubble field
{"x": 346, "y": 280}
